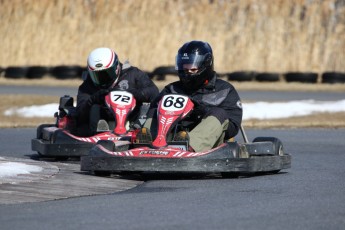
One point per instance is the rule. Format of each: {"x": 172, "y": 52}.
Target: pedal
{"x": 102, "y": 126}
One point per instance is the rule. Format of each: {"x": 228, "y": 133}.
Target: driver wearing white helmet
{"x": 105, "y": 73}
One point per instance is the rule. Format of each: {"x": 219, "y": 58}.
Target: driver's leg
{"x": 208, "y": 134}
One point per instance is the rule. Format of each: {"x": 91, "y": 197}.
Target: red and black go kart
{"x": 59, "y": 140}
{"x": 230, "y": 159}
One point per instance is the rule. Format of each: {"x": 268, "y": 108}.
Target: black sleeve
{"x": 85, "y": 90}
{"x": 147, "y": 90}
{"x": 155, "y": 102}
{"x": 233, "y": 107}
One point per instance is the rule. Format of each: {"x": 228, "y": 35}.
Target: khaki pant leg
{"x": 208, "y": 134}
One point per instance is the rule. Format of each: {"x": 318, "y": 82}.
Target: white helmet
{"x": 103, "y": 66}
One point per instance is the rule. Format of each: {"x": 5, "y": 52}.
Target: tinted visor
{"x": 105, "y": 77}
{"x": 190, "y": 61}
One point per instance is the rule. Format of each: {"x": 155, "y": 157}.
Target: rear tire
{"x": 40, "y": 128}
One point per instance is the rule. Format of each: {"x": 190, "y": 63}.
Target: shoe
{"x": 181, "y": 136}
{"x": 143, "y": 136}
{"x": 102, "y": 126}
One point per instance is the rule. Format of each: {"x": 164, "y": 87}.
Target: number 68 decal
{"x": 121, "y": 97}
{"x": 174, "y": 102}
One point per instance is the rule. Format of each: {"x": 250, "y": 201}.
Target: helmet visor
{"x": 105, "y": 77}
{"x": 186, "y": 61}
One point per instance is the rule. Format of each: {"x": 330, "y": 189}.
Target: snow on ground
{"x": 256, "y": 110}
{"x": 276, "y": 110}
{"x": 12, "y": 169}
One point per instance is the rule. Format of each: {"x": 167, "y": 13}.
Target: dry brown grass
{"x": 271, "y": 35}
{"x": 320, "y": 120}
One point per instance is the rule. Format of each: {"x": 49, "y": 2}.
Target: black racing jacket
{"x": 130, "y": 78}
{"x": 217, "y": 93}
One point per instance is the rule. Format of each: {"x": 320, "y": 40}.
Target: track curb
{"x": 56, "y": 180}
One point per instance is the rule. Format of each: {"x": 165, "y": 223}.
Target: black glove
{"x": 200, "y": 109}
{"x": 98, "y": 97}
{"x": 137, "y": 94}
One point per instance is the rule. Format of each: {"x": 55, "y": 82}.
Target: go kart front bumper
{"x": 221, "y": 160}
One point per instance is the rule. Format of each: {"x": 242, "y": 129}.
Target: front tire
{"x": 277, "y": 144}
{"x": 278, "y": 148}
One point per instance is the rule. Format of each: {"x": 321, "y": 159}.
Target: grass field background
{"x": 259, "y": 35}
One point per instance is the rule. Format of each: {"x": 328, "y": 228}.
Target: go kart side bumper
{"x": 45, "y": 148}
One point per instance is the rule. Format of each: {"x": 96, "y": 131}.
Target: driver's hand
{"x": 137, "y": 94}
{"x": 98, "y": 97}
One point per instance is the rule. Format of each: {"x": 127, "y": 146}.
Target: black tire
{"x": 241, "y": 76}
{"x": 101, "y": 173}
{"x": 231, "y": 175}
{"x": 277, "y": 144}
{"x": 267, "y": 77}
{"x": 39, "y": 133}
{"x": 14, "y": 72}
{"x": 1, "y": 70}
{"x": 37, "y": 72}
{"x": 165, "y": 70}
{"x": 333, "y": 77}
{"x": 67, "y": 72}
{"x": 301, "y": 77}
{"x": 61, "y": 158}
{"x": 160, "y": 78}
{"x": 150, "y": 74}
{"x": 278, "y": 149}
{"x": 161, "y": 71}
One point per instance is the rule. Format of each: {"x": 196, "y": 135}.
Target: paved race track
{"x": 310, "y": 195}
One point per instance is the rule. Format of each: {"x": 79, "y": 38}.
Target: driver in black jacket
{"x": 218, "y": 111}
{"x": 106, "y": 73}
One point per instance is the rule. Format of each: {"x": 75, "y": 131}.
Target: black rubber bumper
{"x": 45, "y": 148}
{"x": 219, "y": 161}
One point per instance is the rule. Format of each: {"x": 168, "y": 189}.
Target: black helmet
{"x": 195, "y": 55}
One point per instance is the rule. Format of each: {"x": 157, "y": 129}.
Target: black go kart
{"x": 230, "y": 159}
{"x": 60, "y": 140}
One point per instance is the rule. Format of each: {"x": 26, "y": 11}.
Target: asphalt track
{"x": 245, "y": 95}
{"x": 310, "y": 195}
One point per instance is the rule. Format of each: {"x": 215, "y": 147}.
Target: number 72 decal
{"x": 121, "y": 97}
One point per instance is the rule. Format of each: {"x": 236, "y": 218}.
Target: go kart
{"x": 230, "y": 159}
{"x": 59, "y": 140}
